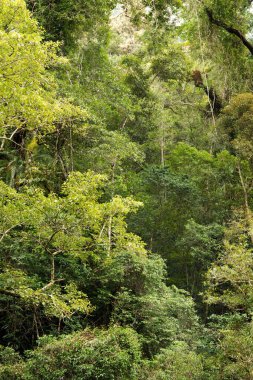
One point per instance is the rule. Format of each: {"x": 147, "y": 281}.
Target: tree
{"x": 41, "y": 234}
{"x": 93, "y": 354}
{"x": 30, "y": 108}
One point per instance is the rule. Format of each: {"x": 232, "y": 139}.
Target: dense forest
{"x": 126, "y": 191}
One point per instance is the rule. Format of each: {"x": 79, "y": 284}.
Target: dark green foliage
{"x": 90, "y": 354}
{"x": 160, "y": 318}
{"x": 65, "y": 20}
{"x": 112, "y": 354}
{"x": 178, "y": 362}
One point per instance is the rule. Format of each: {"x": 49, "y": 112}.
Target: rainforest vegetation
{"x": 126, "y": 191}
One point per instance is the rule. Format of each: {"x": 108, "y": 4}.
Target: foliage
{"x": 177, "y": 362}
{"x": 65, "y": 20}
{"x": 36, "y": 230}
{"x": 30, "y": 108}
{"x": 126, "y": 223}
{"x": 236, "y": 123}
{"x": 160, "y": 318}
{"x": 90, "y": 354}
{"x": 229, "y": 278}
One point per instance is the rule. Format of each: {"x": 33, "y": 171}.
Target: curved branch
{"x": 229, "y": 29}
{"x": 51, "y": 283}
{"x": 8, "y": 230}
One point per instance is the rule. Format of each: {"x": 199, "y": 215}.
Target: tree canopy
{"x": 126, "y": 190}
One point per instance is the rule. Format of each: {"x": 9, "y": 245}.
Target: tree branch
{"x": 7, "y": 231}
{"x": 51, "y": 283}
{"x": 229, "y": 29}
